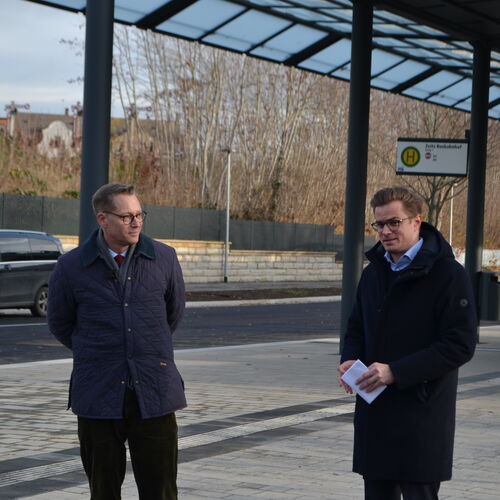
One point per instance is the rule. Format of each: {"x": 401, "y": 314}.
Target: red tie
{"x": 119, "y": 259}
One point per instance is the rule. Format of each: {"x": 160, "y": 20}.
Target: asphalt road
{"x": 24, "y": 338}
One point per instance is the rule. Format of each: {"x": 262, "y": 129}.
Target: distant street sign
{"x": 432, "y": 157}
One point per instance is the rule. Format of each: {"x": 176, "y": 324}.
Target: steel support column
{"x": 96, "y": 107}
{"x": 357, "y": 156}
{"x": 477, "y": 165}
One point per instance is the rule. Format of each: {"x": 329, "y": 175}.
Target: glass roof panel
{"x": 399, "y": 74}
{"x": 383, "y": 60}
{"x": 269, "y": 3}
{"x": 390, "y": 42}
{"x": 267, "y": 53}
{"x": 74, "y": 4}
{"x": 391, "y": 29}
{"x": 432, "y": 44}
{"x": 460, "y": 90}
{"x": 383, "y": 14}
{"x": 344, "y": 14}
{"x": 464, "y": 45}
{"x": 180, "y": 29}
{"x": 345, "y": 3}
{"x": 437, "y": 82}
{"x": 494, "y": 93}
{"x": 415, "y": 92}
{"x": 429, "y": 30}
{"x": 127, "y": 15}
{"x": 330, "y": 58}
{"x": 342, "y": 27}
{"x": 136, "y": 10}
{"x": 344, "y": 73}
{"x": 464, "y": 105}
{"x": 452, "y": 63}
{"x": 200, "y": 17}
{"x": 443, "y": 99}
{"x": 295, "y": 39}
{"x": 227, "y": 42}
{"x": 420, "y": 53}
{"x": 315, "y": 3}
{"x": 495, "y": 112}
{"x": 253, "y": 27}
{"x": 303, "y": 14}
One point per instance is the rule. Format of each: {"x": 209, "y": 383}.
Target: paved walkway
{"x": 264, "y": 421}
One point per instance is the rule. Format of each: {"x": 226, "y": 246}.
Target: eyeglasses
{"x": 128, "y": 218}
{"x": 392, "y": 224}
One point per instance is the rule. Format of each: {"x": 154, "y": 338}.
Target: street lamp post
{"x": 228, "y": 203}
{"x": 450, "y": 239}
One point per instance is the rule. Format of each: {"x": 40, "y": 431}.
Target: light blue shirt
{"x": 114, "y": 254}
{"x": 406, "y": 259}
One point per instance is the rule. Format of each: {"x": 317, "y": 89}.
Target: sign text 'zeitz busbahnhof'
{"x": 432, "y": 157}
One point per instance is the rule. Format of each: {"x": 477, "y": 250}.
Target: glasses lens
{"x": 393, "y": 224}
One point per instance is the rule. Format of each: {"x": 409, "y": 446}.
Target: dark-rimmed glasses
{"x": 128, "y": 218}
{"x": 392, "y": 224}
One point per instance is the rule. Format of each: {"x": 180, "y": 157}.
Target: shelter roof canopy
{"x": 421, "y": 48}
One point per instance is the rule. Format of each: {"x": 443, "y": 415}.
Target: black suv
{"x": 26, "y": 260}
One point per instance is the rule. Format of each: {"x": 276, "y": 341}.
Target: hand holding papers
{"x": 350, "y": 377}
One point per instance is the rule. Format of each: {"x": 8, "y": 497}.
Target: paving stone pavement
{"x": 264, "y": 421}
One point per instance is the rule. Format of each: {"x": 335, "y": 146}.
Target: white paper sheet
{"x": 351, "y": 375}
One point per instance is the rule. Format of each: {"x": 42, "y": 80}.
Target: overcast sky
{"x": 34, "y": 66}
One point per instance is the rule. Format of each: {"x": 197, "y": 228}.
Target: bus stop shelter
{"x": 445, "y": 52}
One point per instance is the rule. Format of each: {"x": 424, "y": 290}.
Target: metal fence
{"x": 60, "y": 216}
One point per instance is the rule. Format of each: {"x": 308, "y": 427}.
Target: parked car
{"x": 26, "y": 260}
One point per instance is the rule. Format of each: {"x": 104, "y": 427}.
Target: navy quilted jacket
{"x": 119, "y": 333}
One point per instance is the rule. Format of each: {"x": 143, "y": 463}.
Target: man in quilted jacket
{"x": 115, "y": 301}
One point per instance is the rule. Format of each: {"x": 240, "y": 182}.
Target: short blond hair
{"x": 412, "y": 202}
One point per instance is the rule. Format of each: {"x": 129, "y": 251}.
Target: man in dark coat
{"x": 115, "y": 301}
{"x": 413, "y": 324}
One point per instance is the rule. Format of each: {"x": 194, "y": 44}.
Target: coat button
{"x": 125, "y": 305}
{"x": 129, "y": 356}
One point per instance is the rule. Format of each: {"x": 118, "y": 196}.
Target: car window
{"x": 42, "y": 249}
{"x": 14, "y": 248}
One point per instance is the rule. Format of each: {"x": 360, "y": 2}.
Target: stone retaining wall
{"x": 203, "y": 262}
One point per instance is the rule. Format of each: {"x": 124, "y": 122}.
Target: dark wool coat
{"x": 119, "y": 334}
{"x": 424, "y": 326}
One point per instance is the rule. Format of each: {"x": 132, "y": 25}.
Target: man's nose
{"x": 386, "y": 229}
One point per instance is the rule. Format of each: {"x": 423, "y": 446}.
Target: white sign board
{"x": 432, "y": 157}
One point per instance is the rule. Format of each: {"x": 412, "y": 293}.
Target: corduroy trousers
{"x": 153, "y": 451}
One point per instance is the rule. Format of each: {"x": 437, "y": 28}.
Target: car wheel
{"x": 41, "y": 300}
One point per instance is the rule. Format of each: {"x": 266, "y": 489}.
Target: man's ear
{"x": 418, "y": 219}
{"x": 101, "y": 219}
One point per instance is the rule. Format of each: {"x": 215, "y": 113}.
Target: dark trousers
{"x": 152, "y": 444}
{"x": 392, "y": 490}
